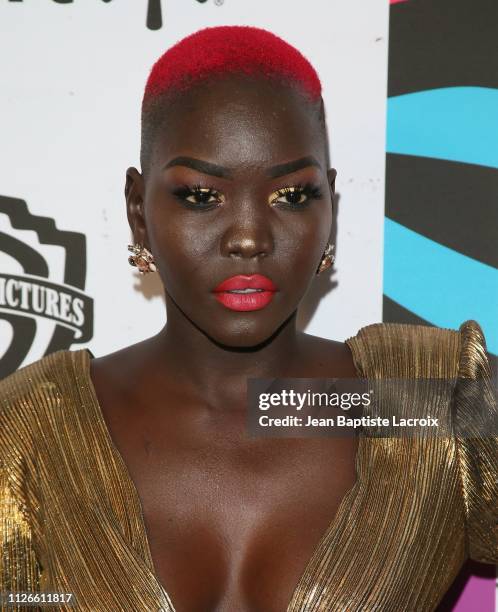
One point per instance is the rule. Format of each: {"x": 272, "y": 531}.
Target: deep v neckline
{"x": 82, "y": 360}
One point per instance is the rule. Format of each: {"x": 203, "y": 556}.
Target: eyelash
{"x": 186, "y": 191}
{"x": 312, "y": 192}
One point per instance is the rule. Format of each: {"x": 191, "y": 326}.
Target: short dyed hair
{"x": 216, "y": 52}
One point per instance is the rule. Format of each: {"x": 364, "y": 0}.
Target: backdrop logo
{"x": 44, "y": 315}
{"x": 154, "y": 19}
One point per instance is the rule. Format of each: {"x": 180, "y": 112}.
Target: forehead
{"x": 239, "y": 122}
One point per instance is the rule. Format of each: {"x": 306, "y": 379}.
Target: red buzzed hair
{"x": 216, "y": 51}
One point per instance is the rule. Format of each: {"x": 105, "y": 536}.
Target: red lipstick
{"x": 245, "y": 292}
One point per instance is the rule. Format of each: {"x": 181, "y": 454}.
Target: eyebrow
{"x": 222, "y": 172}
{"x": 288, "y": 167}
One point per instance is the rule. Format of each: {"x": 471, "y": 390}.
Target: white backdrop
{"x": 72, "y": 79}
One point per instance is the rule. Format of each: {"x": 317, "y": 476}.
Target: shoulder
{"x": 322, "y": 357}
{"x": 33, "y": 378}
{"x": 408, "y": 350}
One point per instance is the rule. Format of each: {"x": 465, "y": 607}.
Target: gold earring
{"x": 327, "y": 258}
{"x": 142, "y": 258}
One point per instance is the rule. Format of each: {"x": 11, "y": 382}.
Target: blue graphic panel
{"x": 438, "y": 284}
{"x": 453, "y": 123}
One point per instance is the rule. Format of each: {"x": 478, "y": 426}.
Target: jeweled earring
{"x": 327, "y": 258}
{"x": 142, "y": 259}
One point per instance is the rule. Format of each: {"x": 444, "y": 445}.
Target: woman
{"x": 130, "y": 480}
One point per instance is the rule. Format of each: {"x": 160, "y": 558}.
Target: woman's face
{"x": 237, "y": 185}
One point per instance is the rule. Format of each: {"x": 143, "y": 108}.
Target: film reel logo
{"x": 43, "y": 307}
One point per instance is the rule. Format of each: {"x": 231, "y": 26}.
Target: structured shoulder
{"x": 33, "y": 378}
{"x": 473, "y": 359}
{"x": 407, "y": 351}
{"x": 28, "y": 393}
{"x": 475, "y": 418}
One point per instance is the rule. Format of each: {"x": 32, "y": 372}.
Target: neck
{"x": 218, "y": 374}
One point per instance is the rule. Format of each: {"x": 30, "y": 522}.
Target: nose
{"x": 249, "y": 236}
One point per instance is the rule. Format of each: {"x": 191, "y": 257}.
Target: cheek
{"x": 181, "y": 245}
{"x": 172, "y": 228}
{"x": 304, "y": 239}
{"x": 188, "y": 262}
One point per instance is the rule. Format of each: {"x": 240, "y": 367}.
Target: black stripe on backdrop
{"x": 442, "y": 43}
{"x": 452, "y": 203}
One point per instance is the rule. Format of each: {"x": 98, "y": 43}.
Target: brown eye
{"x": 296, "y": 196}
{"x": 200, "y": 198}
{"x": 288, "y": 195}
{"x": 204, "y": 195}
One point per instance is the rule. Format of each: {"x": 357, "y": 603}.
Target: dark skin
{"x": 231, "y": 521}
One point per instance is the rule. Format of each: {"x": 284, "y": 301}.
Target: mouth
{"x": 245, "y": 292}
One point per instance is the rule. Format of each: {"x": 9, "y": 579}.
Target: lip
{"x": 246, "y": 281}
{"x": 245, "y": 301}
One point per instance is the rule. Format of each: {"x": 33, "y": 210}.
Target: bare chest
{"x": 232, "y": 522}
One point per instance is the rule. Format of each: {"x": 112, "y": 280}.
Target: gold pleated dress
{"x": 71, "y": 519}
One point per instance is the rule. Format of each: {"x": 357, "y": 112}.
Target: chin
{"x": 244, "y": 333}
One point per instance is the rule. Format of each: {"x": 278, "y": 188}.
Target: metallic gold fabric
{"x": 71, "y": 520}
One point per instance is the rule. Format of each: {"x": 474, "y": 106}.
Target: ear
{"x": 331, "y": 174}
{"x": 134, "y": 195}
